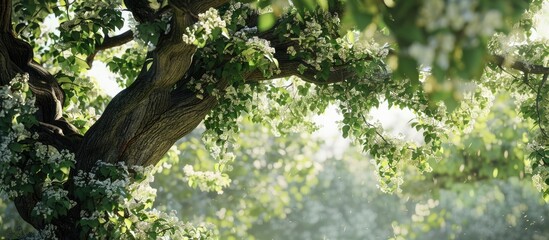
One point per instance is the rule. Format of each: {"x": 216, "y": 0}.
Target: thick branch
{"x": 204, "y": 5}
{"x": 133, "y": 111}
{"x": 518, "y": 65}
{"x": 289, "y": 68}
{"x": 149, "y": 145}
{"x": 115, "y": 41}
{"x": 110, "y": 42}
{"x": 194, "y": 7}
{"x": 5, "y": 16}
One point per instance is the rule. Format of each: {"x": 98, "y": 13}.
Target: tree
{"x": 478, "y": 189}
{"x": 74, "y": 177}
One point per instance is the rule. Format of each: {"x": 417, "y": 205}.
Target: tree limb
{"x": 538, "y": 99}
{"x": 125, "y": 129}
{"x": 518, "y": 65}
{"x": 5, "y": 16}
{"x": 290, "y": 68}
{"x": 200, "y": 5}
{"x": 136, "y": 108}
{"x": 110, "y": 42}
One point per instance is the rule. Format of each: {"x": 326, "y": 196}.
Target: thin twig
{"x": 375, "y": 130}
{"x": 32, "y": 17}
{"x": 367, "y": 123}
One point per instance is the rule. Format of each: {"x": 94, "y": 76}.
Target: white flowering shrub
{"x": 17, "y": 107}
{"x": 27, "y": 165}
{"x": 116, "y": 202}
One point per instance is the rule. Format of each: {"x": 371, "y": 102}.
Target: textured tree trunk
{"x": 138, "y": 126}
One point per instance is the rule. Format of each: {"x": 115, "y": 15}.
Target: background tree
{"x": 479, "y": 187}
{"x": 74, "y": 177}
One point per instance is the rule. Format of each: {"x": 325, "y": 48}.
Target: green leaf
{"x": 128, "y": 223}
{"x": 345, "y": 131}
{"x": 16, "y": 147}
{"x": 407, "y": 68}
{"x": 81, "y": 63}
{"x": 473, "y": 60}
{"x": 266, "y": 21}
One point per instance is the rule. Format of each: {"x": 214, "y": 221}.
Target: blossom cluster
{"x": 104, "y": 191}
{"x": 48, "y": 232}
{"x": 106, "y": 182}
{"x": 54, "y": 203}
{"x": 206, "y": 180}
{"x": 56, "y": 164}
{"x": 222, "y": 125}
{"x": 539, "y": 180}
{"x": 16, "y": 100}
{"x": 201, "y": 31}
{"x": 199, "y": 85}
{"x": 237, "y": 13}
{"x": 16, "y": 116}
{"x": 319, "y": 44}
{"x": 20, "y": 153}
{"x": 260, "y": 45}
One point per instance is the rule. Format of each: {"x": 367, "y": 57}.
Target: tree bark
{"x": 122, "y": 128}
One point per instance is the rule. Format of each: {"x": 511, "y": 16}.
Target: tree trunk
{"x": 138, "y": 126}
